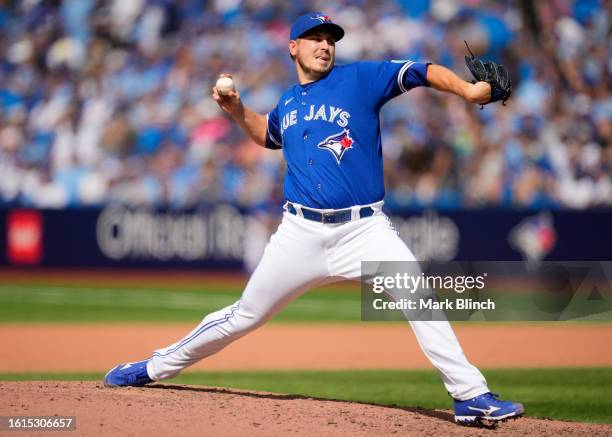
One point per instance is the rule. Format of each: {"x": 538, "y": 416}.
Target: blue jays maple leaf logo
{"x": 338, "y": 144}
{"x": 321, "y": 18}
{"x": 534, "y": 237}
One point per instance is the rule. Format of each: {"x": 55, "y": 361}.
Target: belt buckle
{"x": 325, "y": 215}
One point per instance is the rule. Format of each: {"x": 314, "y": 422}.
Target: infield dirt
{"x": 98, "y": 347}
{"x": 163, "y": 409}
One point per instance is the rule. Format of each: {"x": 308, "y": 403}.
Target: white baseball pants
{"x": 303, "y": 254}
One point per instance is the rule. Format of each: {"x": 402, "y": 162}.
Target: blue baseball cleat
{"x": 486, "y": 407}
{"x": 130, "y": 374}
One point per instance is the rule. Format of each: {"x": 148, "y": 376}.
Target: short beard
{"x": 312, "y": 72}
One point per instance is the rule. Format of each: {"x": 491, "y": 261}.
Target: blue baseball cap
{"x": 318, "y": 20}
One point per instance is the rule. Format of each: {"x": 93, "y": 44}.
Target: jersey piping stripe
{"x": 202, "y": 329}
{"x": 270, "y": 133}
{"x": 400, "y": 75}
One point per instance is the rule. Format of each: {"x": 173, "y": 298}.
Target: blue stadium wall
{"x": 215, "y": 238}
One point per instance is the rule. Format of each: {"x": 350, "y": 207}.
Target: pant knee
{"x": 246, "y": 318}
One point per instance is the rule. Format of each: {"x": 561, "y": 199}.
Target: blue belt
{"x": 336, "y": 217}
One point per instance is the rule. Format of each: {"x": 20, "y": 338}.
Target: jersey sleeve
{"x": 389, "y": 79}
{"x": 274, "y": 139}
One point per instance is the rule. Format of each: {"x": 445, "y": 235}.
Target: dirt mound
{"x": 164, "y": 409}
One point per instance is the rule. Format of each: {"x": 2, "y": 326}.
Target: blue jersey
{"x": 329, "y": 132}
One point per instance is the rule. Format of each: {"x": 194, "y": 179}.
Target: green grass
{"x": 578, "y": 394}
{"x": 65, "y": 303}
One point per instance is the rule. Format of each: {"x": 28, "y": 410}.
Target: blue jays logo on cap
{"x": 307, "y": 22}
{"x": 321, "y": 18}
{"x": 338, "y": 144}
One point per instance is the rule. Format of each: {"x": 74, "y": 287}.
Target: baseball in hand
{"x": 225, "y": 85}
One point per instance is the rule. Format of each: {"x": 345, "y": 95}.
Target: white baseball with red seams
{"x": 225, "y": 85}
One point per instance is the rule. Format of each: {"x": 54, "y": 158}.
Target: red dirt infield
{"x": 96, "y": 347}
{"x": 166, "y": 409}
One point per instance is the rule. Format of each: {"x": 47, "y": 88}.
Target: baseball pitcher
{"x": 327, "y": 126}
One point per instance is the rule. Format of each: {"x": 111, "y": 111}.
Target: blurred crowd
{"x": 109, "y": 101}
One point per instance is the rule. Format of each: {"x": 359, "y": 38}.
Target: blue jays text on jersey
{"x": 330, "y": 134}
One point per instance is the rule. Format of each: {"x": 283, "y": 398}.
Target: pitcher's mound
{"x": 164, "y": 409}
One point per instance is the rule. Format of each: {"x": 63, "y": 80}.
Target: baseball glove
{"x": 494, "y": 74}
